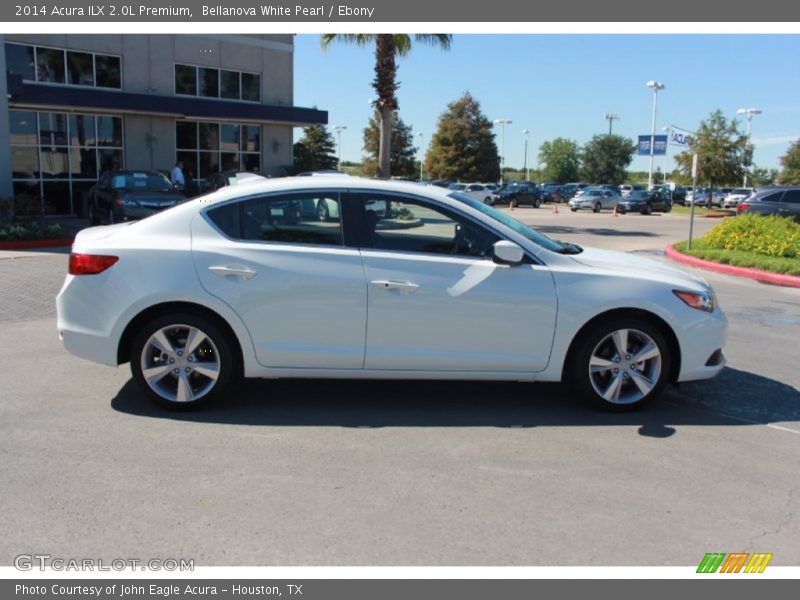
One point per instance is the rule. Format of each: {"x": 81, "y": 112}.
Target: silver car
{"x": 595, "y": 199}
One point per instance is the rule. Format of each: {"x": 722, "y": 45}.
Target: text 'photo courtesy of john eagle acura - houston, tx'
{"x": 344, "y": 277}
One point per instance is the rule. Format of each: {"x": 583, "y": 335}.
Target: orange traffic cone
{"x": 616, "y": 211}
{"x": 511, "y": 205}
{"x": 555, "y": 208}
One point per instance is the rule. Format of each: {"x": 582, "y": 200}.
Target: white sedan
{"x": 437, "y": 285}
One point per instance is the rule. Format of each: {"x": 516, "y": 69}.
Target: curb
{"x": 35, "y": 244}
{"x": 746, "y": 272}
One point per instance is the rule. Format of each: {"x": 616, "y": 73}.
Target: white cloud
{"x": 774, "y": 139}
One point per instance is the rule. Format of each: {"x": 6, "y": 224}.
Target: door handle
{"x": 232, "y": 271}
{"x": 386, "y": 284}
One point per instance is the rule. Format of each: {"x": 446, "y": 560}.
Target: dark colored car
{"x": 519, "y": 193}
{"x": 645, "y": 202}
{"x": 782, "y": 201}
{"x": 222, "y": 179}
{"x": 129, "y": 195}
{"x": 569, "y": 190}
{"x": 551, "y": 192}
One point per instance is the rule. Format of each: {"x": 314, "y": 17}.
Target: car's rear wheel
{"x": 537, "y": 203}
{"x": 621, "y": 209}
{"x": 668, "y": 207}
{"x": 488, "y": 200}
{"x": 181, "y": 360}
{"x": 597, "y": 207}
{"x": 647, "y": 209}
{"x": 621, "y": 364}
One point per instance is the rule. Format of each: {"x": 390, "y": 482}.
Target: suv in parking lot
{"x": 782, "y": 201}
{"x": 519, "y": 193}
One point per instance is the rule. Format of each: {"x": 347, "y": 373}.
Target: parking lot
{"x": 404, "y": 473}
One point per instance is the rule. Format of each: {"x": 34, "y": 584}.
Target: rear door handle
{"x": 389, "y": 284}
{"x": 232, "y": 271}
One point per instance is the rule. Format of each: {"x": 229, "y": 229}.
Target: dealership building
{"x": 74, "y": 106}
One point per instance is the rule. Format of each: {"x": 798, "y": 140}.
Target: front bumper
{"x": 701, "y": 347}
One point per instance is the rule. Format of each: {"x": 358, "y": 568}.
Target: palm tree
{"x": 388, "y": 47}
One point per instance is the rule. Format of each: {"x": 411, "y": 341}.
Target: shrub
{"x": 34, "y": 230}
{"x": 770, "y": 236}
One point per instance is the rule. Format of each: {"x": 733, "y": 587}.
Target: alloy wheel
{"x": 625, "y": 366}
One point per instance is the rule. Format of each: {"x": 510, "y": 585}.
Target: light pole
{"x": 502, "y": 123}
{"x": 525, "y": 132}
{"x": 338, "y": 129}
{"x": 421, "y": 137}
{"x": 655, "y": 86}
{"x": 611, "y": 117}
{"x": 750, "y": 113}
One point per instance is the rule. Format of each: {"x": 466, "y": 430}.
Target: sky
{"x": 562, "y": 86}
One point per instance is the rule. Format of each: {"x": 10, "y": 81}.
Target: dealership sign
{"x": 679, "y": 137}
{"x": 659, "y": 147}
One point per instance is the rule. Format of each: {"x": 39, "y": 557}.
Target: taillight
{"x": 90, "y": 264}
{"x": 742, "y": 207}
{"x": 119, "y": 201}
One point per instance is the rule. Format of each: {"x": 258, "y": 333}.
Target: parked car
{"x": 224, "y": 178}
{"x": 551, "y": 192}
{"x": 518, "y": 194}
{"x": 626, "y": 189}
{"x": 474, "y": 190}
{"x": 783, "y": 201}
{"x": 708, "y": 197}
{"x": 460, "y": 291}
{"x": 595, "y": 198}
{"x": 733, "y": 199}
{"x": 645, "y": 202}
{"x": 129, "y": 195}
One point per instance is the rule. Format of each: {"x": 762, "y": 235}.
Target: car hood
{"x": 639, "y": 266}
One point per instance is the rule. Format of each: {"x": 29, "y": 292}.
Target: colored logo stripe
{"x": 711, "y": 562}
{"x": 717, "y": 561}
{"x": 758, "y": 562}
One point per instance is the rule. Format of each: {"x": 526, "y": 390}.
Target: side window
{"x": 776, "y": 197}
{"x": 791, "y": 197}
{"x": 405, "y": 225}
{"x": 309, "y": 218}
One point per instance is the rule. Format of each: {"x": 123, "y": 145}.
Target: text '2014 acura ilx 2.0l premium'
{"x": 404, "y": 281}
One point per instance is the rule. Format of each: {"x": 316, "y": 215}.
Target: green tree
{"x": 720, "y": 148}
{"x": 791, "y": 165}
{"x": 315, "y": 150}
{"x": 403, "y": 154}
{"x": 764, "y": 176}
{"x": 463, "y": 146}
{"x": 561, "y": 160}
{"x": 605, "y": 159}
{"x": 388, "y": 47}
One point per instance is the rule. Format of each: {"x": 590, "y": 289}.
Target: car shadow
{"x": 381, "y": 403}
{"x": 595, "y": 230}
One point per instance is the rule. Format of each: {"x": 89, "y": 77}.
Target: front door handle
{"x": 390, "y": 284}
{"x": 232, "y": 271}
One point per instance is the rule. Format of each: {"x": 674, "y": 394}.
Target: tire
{"x": 597, "y": 207}
{"x": 668, "y": 207}
{"x": 647, "y": 209}
{"x": 622, "y": 210}
{"x": 323, "y": 212}
{"x": 537, "y": 203}
{"x": 601, "y": 374}
{"x": 160, "y": 344}
{"x": 488, "y": 200}
{"x": 574, "y": 209}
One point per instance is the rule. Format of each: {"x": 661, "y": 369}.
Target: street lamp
{"x": 502, "y": 123}
{"x": 611, "y": 117}
{"x": 338, "y": 129}
{"x": 750, "y": 113}
{"x": 525, "y": 132}
{"x": 421, "y": 137}
{"x": 656, "y": 87}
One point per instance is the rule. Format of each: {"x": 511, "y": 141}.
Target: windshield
{"x": 456, "y": 186}
{"x": 141, "y": 181}
{"x": 525, "y": 231}
{"x": 741, "y": 192}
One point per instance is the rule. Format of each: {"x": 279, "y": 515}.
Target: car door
{"x": 609, "y": 199}
{"x": 299, "y": 290}
{"x": 438, "y": 302}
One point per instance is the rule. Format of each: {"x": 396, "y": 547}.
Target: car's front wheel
{"x": 181, "y": 360}
{"x": 621, "y": 364}
{"x": 647, "y": 209}
{"x": 597, "y": 207}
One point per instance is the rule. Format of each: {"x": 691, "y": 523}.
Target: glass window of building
{"x": 229, "y": 84}
{"x": 80, "y": 68}
{"x": 207, "y": 148}
{"x": 186, "y": 80}
{"x": 251, "y": 87}
{"x": 108, "y": 70}
{"x": 19, "y": 61}
{"x": 49, "y": 65}
{"x": 208, "y": 82}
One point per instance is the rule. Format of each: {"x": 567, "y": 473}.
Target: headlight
{"x": 704, "y": 301}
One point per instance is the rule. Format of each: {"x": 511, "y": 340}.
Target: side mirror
{"x": 507, "y": 253}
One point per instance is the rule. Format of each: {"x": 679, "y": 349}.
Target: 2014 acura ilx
{"x": 405, "y": 281}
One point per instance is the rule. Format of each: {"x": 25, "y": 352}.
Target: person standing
{"x": 176, "y": 175}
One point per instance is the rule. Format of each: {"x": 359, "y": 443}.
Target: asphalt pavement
{"x": 403, "y": 473}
